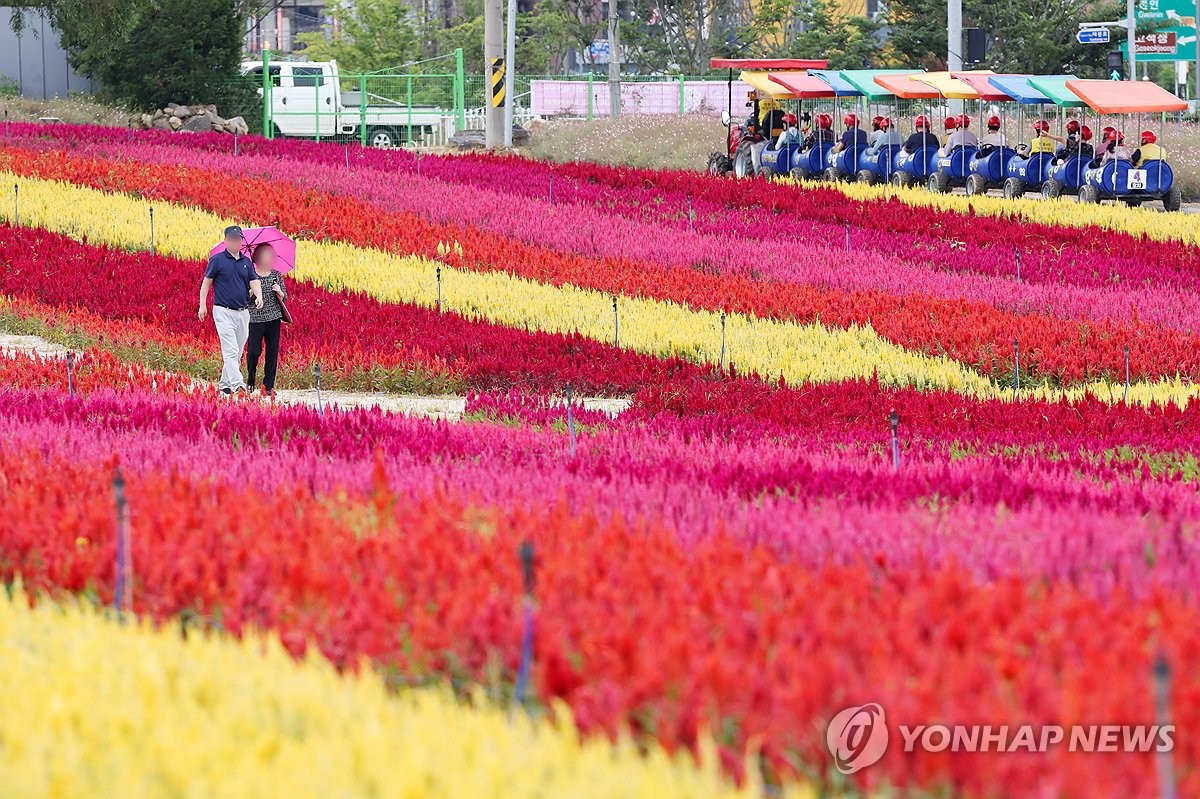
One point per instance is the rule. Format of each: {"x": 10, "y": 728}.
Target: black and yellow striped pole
{"x": 497, "y": 83}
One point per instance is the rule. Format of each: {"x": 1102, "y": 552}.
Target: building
{"x": 33, "y": 62}
{"x": 276, "y": 27}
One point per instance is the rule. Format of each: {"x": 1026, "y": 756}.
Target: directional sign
{"x": 1093, "y": 36}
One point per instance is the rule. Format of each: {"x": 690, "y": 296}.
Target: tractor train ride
{"x": 1082, "y": 157}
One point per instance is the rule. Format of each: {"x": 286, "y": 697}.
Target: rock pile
{"x": 191, "y": 119}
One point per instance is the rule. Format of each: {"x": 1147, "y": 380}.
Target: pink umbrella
{"x": 285, "y": 248}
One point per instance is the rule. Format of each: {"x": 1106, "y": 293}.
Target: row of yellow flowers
{"x": 100, "y": 708}
{"x": 799, "y": 353}
{"x": 1064, "y": 211}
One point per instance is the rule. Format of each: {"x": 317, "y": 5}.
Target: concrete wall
{"x": 35, "y": 61}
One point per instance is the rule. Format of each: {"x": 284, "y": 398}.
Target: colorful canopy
{"x": 904, "y": 87}
{"x": 1126, "y": 96}
{"x": 769, "y": 63}
{"x": 761, "y": 81}
{"x": 803, "y": 86}
{"x": 978, "y": 80}
{"x": 948, "y": 86}
{"x": 1055, "y": 87}
{"x": 840, "y": 86}
{"x": 864, "y": 81}
{"x": 1018, "y": 88}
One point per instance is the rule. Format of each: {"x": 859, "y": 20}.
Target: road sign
{"x": 1093, "y": 36}
{"x": 1162, "y": 43}
{"x": 1167, "y": 16}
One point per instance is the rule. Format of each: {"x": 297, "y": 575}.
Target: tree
{"x": 813, "y": 29}
{"x": 677, "y": 35}
{"x": 369, "y": 35}
{"x": 583, "y": 22}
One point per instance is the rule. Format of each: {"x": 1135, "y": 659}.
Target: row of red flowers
{"x": 1057, "y": 350}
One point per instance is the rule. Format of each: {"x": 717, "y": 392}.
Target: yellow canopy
{"x": 947, "y": 85}
{"x": 763, "y": 85}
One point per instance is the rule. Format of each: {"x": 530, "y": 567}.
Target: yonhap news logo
{"x": 857, "y": 737}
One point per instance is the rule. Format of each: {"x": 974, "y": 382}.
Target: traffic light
{"x": 1116, "y": 65}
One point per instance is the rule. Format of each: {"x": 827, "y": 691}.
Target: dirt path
{"x": 448, "y": 407}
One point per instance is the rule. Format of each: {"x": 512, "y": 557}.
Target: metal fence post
{"x": 410, "y": 99}
{"x": 460, "y": 91}
{"x": 268, "y": 121}
{"x": 362, "y": 110}
{"x": 591, "y": 96}
{"x": 317, "y": 109}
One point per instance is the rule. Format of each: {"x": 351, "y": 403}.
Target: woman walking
{"x": 265, "y": 322}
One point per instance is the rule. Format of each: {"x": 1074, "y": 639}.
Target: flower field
{"x": 332, "y": 602}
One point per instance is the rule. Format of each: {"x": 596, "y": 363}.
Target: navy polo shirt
{"x": 231, "y": 276}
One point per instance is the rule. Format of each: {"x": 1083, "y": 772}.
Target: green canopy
{"x": 1056, "y": 89}
{"x": 864, "y": 81}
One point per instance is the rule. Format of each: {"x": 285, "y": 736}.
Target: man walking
{"x": 231, "y": 277}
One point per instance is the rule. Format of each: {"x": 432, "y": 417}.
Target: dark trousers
{"x": 260, "y": 333}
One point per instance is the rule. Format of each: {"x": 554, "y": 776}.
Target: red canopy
{"x": 769, "y": 63}
{"x": 1125, "y": 96}
{"x": 801, "y": 85}
{"x": 904, "y": 87}
{"x": 979, "y": 82}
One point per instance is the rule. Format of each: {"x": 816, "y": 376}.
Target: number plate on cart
{"x": 1137, "y": 179}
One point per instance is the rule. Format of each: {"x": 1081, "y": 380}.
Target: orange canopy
{"x": 1125, "y": 96}
{"x": 904, "y": 87}
{"x": 769, "y": 63}
{"x": 801, "y": 85}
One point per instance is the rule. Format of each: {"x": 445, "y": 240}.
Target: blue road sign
{"x": 1092, "y": 36}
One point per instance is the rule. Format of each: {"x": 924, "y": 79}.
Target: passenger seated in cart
{"x": 994, "y": 137}
{"x": 1114, "y": 149}
{"x": 888, "y": 136}
{"x": 853, "y": 135}
{"x": 961, "y": 137}
{"x": 822, "y": 135}
{"x": 922, "y": 138}
{"x": 1079, "y": 143}
{"x": 1042, "y": 141}
{"x": 790, "y": 135}
{"x": 876, "y": 129}
{"x": 1149, "y": 150}
{"x": 950, "y": 125}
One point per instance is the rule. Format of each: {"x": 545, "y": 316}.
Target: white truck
{"x": 307, "y": 101}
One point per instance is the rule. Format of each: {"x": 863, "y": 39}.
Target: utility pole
{"x": 510, "y": 57}
{"x": 493, "y": 54}
{"x": 614, "y": 59}
{"x": 1131, "y": 27}
{"x": 954, "y": 40}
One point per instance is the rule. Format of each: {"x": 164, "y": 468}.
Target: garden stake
{"x": 1018, "y": 266}
{"x": 552, "y": 188}
{"x": 123, "y": 590}
{"x": 894, "y": 418}
{"x": 1162, "y": 697}
{"x": 70, "y": 376}
{"x": 691, "y": 216}
{"x": 571, "y": 417}
{"x": 1016, "y": 366}
{"x": 320, "y": 405}
{"x": 1126, "y": 373}
{"x": 616, "y": 324}
{"x": 235, "y": 144}
{"x": 439, "y": 288}
{"x": 152, "y": 230}
{"x": 526, "y": 662}
{"x": 16, "y": 205}
{"x": 723, "y": 364}
{"x": 847, "y": 235}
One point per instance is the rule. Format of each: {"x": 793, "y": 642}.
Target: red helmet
{"x": 850, "y": 120}
{"x": 964, "y": 121}
{"x": 1041, "y": 126}
{"x": 1085, "y": 133}
{"x": 993, "y": 123}
{"x": 1148, "y": 137}
{"x": 789, "y": 119}
{"x": 877, "y": 122}
{"x": 885, "y": 123}
{"x": 1072, "y": 126}
{"x": 1107, "y": 130}
{"x": 922, "y": 122}
{"x": 951, "y": 123}
{"x": 825, "y": 122}
{"x": 1115, "y": 135}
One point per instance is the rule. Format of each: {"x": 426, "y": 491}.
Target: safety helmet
{"x": 964, "y": 121}
{"x": 885, "y": 123}
{"x": 850, "y": 120}
{"x": 825, "y": 121}
{"x": 922, "y": 122}
{"x": 877, "y": 122}
{"x": 1085, "y": 133}
{"x": 993, "y": 123}
{"x": 1107, "y": 130}
{"x": 789, "y": 119}
{"x": 1041, "y": 126}
{"x": 1148, "y": 137}
{"x": 1072, "y": 126}
{"x": 951, "y": 123}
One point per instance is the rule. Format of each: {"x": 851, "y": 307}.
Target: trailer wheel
{"x": 1014, "y": 189}
{"x": 382, "y": 137}
{"x": 766, "y": 172}
{"x": 901, "y": 180}
{"x": 1088, "y": 194}
{"x": 719, "y": 164}
{"x": 831, "y": 174}
{"x": 1051, "y": 189}
{"x": 866, "y": 176}
{"x": 1173, "y": 200}
{"x": 799, "y": 173}
{"x": 976, "y": 184}
{"x": 939, "y": 182}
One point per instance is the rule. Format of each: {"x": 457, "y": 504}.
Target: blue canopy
{"x": 1019, "y": 88}
{"x": 841, "y": 87}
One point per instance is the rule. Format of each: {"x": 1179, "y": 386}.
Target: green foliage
{"x": 371, "y": 35}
